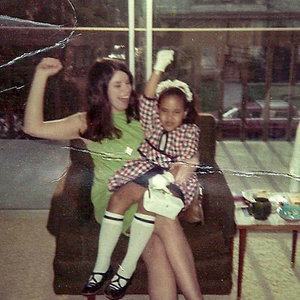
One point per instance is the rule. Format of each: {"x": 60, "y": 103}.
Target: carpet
{"x": 267, "y": 270}
{"x": 27, "y": 251}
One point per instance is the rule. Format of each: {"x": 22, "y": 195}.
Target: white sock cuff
{"x": 144, "y": 218}
{"x": 113, "y": 217}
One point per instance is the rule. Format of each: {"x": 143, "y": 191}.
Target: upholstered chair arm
{"x": 217, "y": 202}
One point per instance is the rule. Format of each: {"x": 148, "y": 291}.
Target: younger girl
{"x": 170, "y": 141}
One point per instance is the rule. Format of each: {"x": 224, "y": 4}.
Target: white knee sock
{"x": 110, "y": 232}
{"x": 141, "y": 230}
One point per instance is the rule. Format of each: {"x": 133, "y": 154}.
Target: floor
{"x": 27, "y": 248}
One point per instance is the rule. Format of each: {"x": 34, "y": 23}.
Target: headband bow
{"x": 175, "y": 84}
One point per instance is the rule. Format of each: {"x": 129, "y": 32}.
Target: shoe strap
{"x": 92, "y": 280}
{"x": 115, "y": 284}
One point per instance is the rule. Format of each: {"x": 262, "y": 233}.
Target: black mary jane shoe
{"x": 92, "y": 287}
{"x": 114, "y": 290}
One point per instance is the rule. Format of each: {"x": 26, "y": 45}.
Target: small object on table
{"x": 289, "y": 212}
{"x": 275, "y": 198}
{"x": 294, "y": 198}
{"x": 261, "y": 208}
{"x": 250, "y": 195}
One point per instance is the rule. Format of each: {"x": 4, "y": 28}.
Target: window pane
{"x": 224, "y": 50}
{"x": 226, "y": 13}
{"x": 236, "y": 70}
{"x": 90, "y": 13}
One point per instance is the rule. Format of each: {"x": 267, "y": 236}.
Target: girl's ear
{"x": 185, "y": 113}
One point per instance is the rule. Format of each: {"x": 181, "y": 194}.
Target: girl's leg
{"x": 140, "y": 232}
{"x": 124, "y": 197}
{"x": 161, "y": 278}
{"x": 112, "y": 225}
{"x": 111, "y": 229}
{"x": 180, "y": 256}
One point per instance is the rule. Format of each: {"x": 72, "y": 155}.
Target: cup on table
{"x": 261, "y": 208}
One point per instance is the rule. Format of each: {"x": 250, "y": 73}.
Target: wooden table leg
{"x": 242, "y": 248}
{"x": 294, "y": 248}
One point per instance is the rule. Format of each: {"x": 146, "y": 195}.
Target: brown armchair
{"x": 72, "y": 222}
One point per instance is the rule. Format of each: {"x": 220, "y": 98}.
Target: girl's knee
{"x": 164, "y": 223}
{"x": 117, "y": 203}
{"x": 115, "y": 198}
{"x": 127, "y": 195}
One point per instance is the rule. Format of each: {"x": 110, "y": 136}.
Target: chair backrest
{"x": 207, "y": 143}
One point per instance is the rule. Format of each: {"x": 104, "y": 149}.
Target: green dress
{"x": 108, "y": 157}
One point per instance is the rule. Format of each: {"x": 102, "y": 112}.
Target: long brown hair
{"x": 99, "y": 113}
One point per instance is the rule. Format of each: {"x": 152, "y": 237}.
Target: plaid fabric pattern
{"x": 182, "y": 143}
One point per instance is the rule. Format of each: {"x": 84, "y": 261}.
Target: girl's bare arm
{"x": 34, "y": 124}
{"x": 151, "y": 85}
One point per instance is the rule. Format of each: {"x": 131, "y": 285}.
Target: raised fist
{"x": 49, "y": 66}
{"x": 163, "y": 59}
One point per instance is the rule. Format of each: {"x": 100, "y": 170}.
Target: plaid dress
{"x": 161, "y": 148}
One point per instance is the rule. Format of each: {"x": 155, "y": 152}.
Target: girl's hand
{"x": 49, "y": 66}
{"x": 163, "y": 59}
{"x": 183, "y": 170}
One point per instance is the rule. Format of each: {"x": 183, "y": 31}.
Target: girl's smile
{"x": 119, "y": 91}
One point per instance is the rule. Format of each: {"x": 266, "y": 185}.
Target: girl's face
{"x": 171, "y": 112}
{"x": 119, "y": 91}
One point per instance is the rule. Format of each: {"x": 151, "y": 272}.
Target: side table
{"x": 245, "y": 222}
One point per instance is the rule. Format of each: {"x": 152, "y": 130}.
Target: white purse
{"x": 159, "y": 199}
{"x": 162, "y": 203}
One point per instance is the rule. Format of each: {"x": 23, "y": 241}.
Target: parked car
{"x": 231, "y": 125}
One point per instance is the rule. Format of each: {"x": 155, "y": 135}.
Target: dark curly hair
{"x": 99, "y": 112}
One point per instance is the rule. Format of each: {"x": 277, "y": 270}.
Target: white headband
{"x": 175, "y": 84}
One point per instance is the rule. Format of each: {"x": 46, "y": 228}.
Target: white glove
{"x": 160, "y": 181}
{"x": 163, "y": 59}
